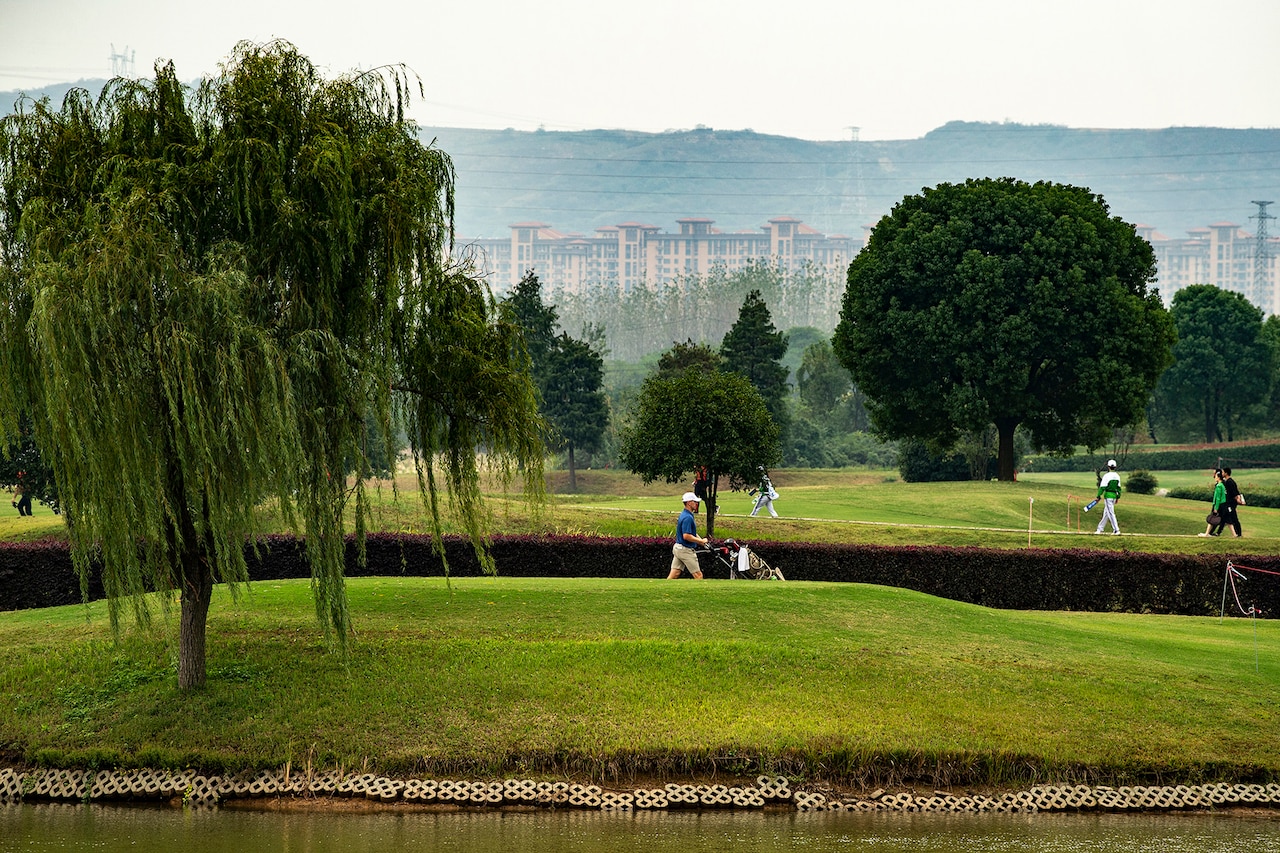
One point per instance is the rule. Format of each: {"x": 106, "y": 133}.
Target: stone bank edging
{"x": 201, "y": 790}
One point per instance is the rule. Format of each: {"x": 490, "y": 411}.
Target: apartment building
{"x": 632, "y": 255}
{"x": 1221, "y": 254}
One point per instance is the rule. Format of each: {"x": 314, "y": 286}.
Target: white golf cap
{"x": 690, "y": 496}
{"x": 1111, "y": 463}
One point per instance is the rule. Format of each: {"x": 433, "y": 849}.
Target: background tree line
{"x": 1223, "y": 383}
{"x": 641, "y": 322}
{"x": 1222, "y": 386}
{"x": 809, "y": 396}
{"x": 1034, "y": 330}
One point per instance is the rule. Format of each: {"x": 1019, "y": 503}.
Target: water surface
{"x": 59, "y": 827}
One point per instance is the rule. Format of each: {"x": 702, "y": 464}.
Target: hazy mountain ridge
{"x": 1173, "y": 179}
{"x": 576, "y": 181}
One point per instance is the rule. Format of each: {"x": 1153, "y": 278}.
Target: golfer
{"x": 683, "y": 557}
{"x": 765, "y": 494}
{"x": 1109, "y": 492}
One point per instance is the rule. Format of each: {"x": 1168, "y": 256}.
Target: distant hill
{"x": 55, "y": 93}
{"x": 1172, "y": 179}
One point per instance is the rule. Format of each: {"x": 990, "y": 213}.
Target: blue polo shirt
{"x": 686, "y": 524}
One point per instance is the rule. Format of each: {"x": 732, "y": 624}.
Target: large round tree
{"x": 1000, "y": 302}
{"x": 204, "y": 293}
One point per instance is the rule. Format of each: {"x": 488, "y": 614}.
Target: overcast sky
{"x": 893, "y": 68}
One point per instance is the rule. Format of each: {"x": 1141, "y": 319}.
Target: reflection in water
{"x": 112, "y": 828}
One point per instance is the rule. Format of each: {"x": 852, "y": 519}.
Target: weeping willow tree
{"x": 204, "y": 294}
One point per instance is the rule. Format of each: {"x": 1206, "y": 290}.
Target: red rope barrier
{"x": 1232, "y": 574}
{"x": 1248, "y": 569}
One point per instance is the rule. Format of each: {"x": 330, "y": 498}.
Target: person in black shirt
{"x": 23, "y": 502}
{"x": 1229, "y": 510}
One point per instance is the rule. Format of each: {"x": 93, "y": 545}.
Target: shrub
{"x": 1141, "y": 482}
{"x": 1206, "y": 458}
{"x": 1202, "y": 493}
{"x": 917, "y": 464}
{"x": 1193, "y": 493}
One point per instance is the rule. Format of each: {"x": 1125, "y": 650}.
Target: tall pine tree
{"x": 569, "y": 375}
{"x": 754, "y": 349}
{"x": 536, "y": 319}
{"x": 573, "y": 399}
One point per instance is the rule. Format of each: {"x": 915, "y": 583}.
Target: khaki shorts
{"x": 683, "y": 557}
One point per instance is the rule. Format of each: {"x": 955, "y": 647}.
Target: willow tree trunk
{"x": 197, "y": 590}
{"x": 573, "y": 473}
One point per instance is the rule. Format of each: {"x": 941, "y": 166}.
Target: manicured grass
{"x": 41, "y": 523}
{"x": 496, "y": 676}
{"x": 855, "y": 506}
{"x": 875, "y": 509}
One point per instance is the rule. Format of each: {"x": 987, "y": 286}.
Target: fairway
{"x": 1048, "y": 506}
{"x": 837, "y": 506}
{"x": 490, "y": 675}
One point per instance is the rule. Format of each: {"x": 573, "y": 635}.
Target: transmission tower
{"x": 122, "y": 63}
{"x": 1263, "y": 292}
{"x": 856, "y": 193}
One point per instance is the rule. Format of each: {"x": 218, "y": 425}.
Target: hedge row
{"x": 40, "y": 574}
{"x": 1204, "y": 458}
{"x": 1205, "y": 494}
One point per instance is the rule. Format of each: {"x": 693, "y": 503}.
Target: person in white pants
{"x": 1109, "y": 492}
{"x": 765, "y": 495}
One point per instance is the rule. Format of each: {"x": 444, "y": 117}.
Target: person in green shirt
{"x": 1109, "y": 493}
{"x": 1219, "y": 498}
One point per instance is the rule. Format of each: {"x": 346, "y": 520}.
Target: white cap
{"x": 690, "y": 496}
{"x": 1111, "y": 463}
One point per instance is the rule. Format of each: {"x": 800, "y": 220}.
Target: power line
{"x": 818, "y": 177}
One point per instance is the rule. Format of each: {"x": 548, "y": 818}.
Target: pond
{"x": 49, "y": 827}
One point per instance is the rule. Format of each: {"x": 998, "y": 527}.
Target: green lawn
{"x": 881, "y": 510}
{"x": 874, "y": 507}
{"x": 497, "y": 676}
{"x": 605, "y": 678}
{"x": 41, "y": 523}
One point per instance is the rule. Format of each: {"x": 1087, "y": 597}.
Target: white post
{"x": 1226, "y": 579}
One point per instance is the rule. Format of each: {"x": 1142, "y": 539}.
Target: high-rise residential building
{"x": 1221, "y": 254}
{"x": 632, "y": 255}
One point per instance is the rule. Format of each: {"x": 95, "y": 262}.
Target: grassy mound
{"x": 636, "y": 678}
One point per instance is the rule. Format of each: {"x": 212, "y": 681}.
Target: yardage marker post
{"x": 1031, "y": 502}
